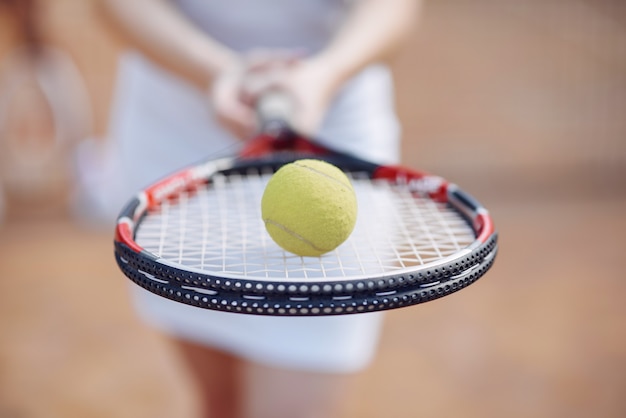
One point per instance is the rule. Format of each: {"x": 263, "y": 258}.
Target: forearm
{"x": 372, "y": 32}
{"x": 160, "y": 32}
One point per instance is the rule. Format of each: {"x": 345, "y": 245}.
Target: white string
{"x": 182, "y": 218}
{"x": 219, "y": 229}
{"x": 204, "y": 207}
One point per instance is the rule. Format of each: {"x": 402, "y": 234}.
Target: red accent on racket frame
{"x": 171, "y": 186}
{"x": 267, "y": 144}
{"x": 434, "y": 186}
{"x": 124, "y": 235}
{"x": 484, "y": 225}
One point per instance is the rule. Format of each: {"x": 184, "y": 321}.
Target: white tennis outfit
{"x": 160, "y": 124}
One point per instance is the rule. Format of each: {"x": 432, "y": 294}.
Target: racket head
{"x": 197, "y": 237}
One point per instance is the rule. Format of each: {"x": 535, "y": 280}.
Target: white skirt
{"x": 160, "y": 124}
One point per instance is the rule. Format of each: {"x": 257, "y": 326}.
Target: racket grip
{"x": 274, "y": 111}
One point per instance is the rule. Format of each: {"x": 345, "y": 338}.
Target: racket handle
{"x": 274, "y": 111}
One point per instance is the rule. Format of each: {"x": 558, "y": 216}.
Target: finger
{"x": 235, "y": 128}
{"x": 253, "y": 86}
{"x": 240, "y": 120}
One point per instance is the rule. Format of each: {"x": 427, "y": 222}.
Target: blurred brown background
{"x": 523, "y": 102}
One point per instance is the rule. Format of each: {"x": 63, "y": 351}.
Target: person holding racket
{"x": 187, "y": 91}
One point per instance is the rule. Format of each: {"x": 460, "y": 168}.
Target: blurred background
{"x": 523, "y": 102}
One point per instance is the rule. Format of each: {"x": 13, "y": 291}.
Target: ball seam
{"x": 321, "y": 173}
{"x": 295, "y": 235}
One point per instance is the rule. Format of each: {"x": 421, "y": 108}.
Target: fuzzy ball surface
{"x": 309, "y": 207}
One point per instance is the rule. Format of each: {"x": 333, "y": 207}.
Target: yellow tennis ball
{"x": 309, "y": 207}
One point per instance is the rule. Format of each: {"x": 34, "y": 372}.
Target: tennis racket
{"x": 197, "y": 237}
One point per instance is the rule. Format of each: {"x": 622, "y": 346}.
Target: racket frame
{"x": 303, "y": 297}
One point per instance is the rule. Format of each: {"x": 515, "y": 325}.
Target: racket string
{"x": 182, "y": 221}
{"x": 219, "y": 229}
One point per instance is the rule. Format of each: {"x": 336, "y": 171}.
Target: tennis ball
{"x": 309, "y": 207}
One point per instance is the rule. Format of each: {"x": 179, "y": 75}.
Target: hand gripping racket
{"x": 197, "y": 237}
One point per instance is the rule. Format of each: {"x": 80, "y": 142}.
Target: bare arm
{"x": 157, "y": 29}
{"x": 161, "y": 32}
{"x": 372, "y": 32}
